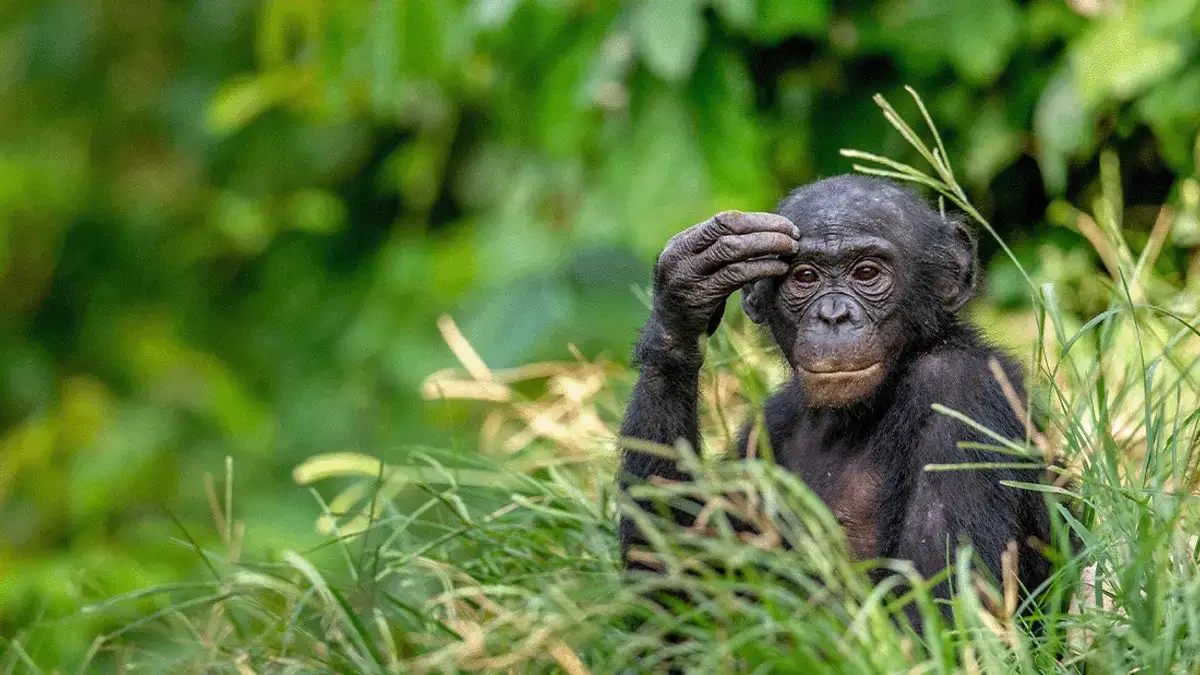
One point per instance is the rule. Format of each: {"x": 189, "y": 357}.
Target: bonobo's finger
{"x": 699, "y": 237}
{"x": 756, "y": 221}
{"x": 733, "y": 277}
{"x": 733, "y": 248}
{"x": 740, "y": 222}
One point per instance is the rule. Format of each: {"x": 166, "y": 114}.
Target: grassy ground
{"x": 505, "y": 559}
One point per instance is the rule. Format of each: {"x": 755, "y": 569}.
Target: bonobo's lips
{"x": 834, "y": 367}
{"x": 829, "y": 384}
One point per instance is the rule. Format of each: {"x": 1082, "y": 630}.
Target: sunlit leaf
{"x": 315, "y": 211}
{"x": 669, "y": 35}
{"x": 724, "y": 96}
{"x": 653, "y": 183}
{"x": 287, "y": 28}
{"x": 737, "y": 14}
{"x": 1060, "y": 121}
{"x": 494, "y": 14}
{"x": 983, "y": 36}
{"x": 242, "y": 100}
{"x": 243, "y": 221}
{"x": 1117, "y": 58}
{"x": 993, "y": 144}
{"x": 778, "y": 19}
{"x": 1171, "y": 110}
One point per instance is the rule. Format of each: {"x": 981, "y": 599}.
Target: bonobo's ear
{"x": 756, "y": 298}
{"x": 963, "y": 270}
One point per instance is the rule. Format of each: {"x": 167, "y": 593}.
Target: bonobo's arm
{"x": 696, "y": 272}
{"x": 945, "y": 505}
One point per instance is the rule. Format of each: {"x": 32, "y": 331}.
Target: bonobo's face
{"x": 876, "y": 271}
{"x": 834, "y": 310}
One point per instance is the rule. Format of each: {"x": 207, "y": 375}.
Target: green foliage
{"x": 228, "y": 228}
{"x": 511, "y": 564}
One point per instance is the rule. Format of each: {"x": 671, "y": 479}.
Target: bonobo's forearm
{"x": 696, "y": 272}
{"x": 663, "y": 408}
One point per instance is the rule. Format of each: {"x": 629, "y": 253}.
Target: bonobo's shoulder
{"x": 957, "y": 373}
{"x": 961, "y": 362}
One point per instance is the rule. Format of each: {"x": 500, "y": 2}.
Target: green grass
{"x": 506, "y": 560}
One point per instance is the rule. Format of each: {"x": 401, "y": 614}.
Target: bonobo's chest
{"x": 848, "y": 482}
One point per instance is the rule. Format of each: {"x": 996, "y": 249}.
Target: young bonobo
{"x": 860, "y": 283}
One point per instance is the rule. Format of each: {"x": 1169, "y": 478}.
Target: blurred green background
{"x": 227, "y": 227}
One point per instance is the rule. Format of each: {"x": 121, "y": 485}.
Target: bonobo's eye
{"x": 866, "y": 273}
{"x": 806, "y": 275}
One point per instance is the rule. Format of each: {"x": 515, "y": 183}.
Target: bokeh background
{"x": 227, "y": 227}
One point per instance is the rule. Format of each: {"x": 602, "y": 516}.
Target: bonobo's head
{"x": 878, "y": 272}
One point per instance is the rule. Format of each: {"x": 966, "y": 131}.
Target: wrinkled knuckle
{"x": 728, "y": 221}
{"x": 730, "y": 246}
{"x": 729, "y": 275}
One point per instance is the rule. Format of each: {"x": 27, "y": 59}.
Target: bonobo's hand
{"x": 703, "y": 265}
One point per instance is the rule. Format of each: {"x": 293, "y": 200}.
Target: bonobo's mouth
{"x": 827, "y": 386}
{"x": 831, "y": 368}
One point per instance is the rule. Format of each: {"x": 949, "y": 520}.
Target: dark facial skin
{"x": 836, "y": 312}
{"x": 860, "y": 284}
{"x": 832, "y": 307}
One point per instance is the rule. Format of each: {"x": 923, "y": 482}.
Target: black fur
{"x": 860, "y": 441}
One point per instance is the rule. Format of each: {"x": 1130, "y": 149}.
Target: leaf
{"x": 1173, "y": 17}
{"x": 564, "y": 124}
{"x": 279, "y": 27}
{"x": 736, "y": 14}
{"x": 779, "y": 19}
{"x": 242, "y": 100}
{"x": 417, "y": 168}
{"x": 243, "y": 221}
{"x": 653, "y": 183}
{"x": 509, "y": 323}
{"x": 723, "y": 92}
{"x": 421, "y": 37}
{"x": 1046, "y": 22}
{"x": 493, "y": 14}
{"x": 1116, "y": 59}
{"x": 669, "y": 34}
{"x": 314, "y": 210}
{"x": 1171, "y": 111}
{"x": 993, "y": 143}
{"x": 984, "y": 36}
{"x": 1060, "y": 122}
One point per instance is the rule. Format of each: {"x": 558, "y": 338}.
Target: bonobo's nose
{"x": 835, "y": 310}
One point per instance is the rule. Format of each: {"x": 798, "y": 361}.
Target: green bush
{"x": 506, "y": 559}
{"x": 227, "y": 229}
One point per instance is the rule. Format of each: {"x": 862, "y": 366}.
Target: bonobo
{"x": 860, "y": 284}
